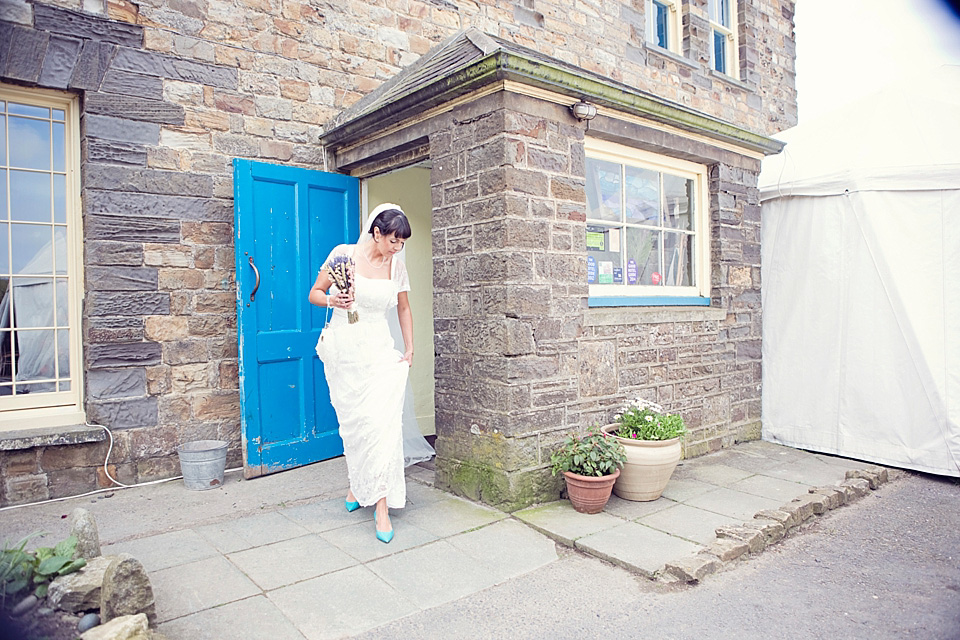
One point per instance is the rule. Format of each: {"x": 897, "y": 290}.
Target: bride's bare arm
{"x": 406, "y": 325}
{"x": 320, "y": 297}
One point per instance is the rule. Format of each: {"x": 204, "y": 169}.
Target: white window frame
{"x": 60, "y": 408}
{"x": 674, "y": 25}
{"x": 728, "y": 29}
{"x": 643, "y": 295}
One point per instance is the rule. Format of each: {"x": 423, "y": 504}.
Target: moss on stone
{"x": 505, "y": 491}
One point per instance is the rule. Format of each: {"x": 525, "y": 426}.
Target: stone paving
{"x": 715, "y": 509}
{"x": 237, "y": 562}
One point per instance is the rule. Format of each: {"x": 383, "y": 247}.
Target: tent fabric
{"x": 861, "y": 289}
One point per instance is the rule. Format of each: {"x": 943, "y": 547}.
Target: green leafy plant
{"x": 645, "y": 420}
{"x": 21, "y": 569}
{"x": 593, "y": 454}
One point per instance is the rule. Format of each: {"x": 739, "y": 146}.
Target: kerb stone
{"x": 754, "y": 539}
{"x": 693, "y": 568}
{"x": 727, "y": 549}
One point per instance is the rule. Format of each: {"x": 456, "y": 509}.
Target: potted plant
{"x": 651, "y": 439}
{"x": 590, "y": 465}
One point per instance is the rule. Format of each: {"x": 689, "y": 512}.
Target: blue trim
{"x": 650, "y": 301}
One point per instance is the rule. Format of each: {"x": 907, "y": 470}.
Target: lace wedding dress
{"x": 367, "y": 381}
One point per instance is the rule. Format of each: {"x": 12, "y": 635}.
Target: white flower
{"x": 649, "y": 418}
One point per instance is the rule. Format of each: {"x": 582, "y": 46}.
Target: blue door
{"x": 287, "y": 220}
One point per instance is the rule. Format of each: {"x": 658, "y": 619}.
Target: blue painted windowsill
{"x": 647, "y": 301}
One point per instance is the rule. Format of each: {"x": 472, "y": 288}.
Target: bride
{"x": 366, "y": 375}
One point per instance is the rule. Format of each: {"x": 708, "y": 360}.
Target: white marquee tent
{"x": 861, "y": 280}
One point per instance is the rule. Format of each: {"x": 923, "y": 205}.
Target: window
{"x": 663, "y": 24}
{"x": 39, "y": 302}
{"x": 723, "y": 36}
{"x": 647, "y": 228}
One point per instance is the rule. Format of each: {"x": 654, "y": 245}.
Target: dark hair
{"x": 392, "y": 221}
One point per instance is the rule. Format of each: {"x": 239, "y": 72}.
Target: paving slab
{"x": 419, "y": 495}
{"x": 340, "y": 604}
{"x": 714, "y": 473}
{"x": 734, "y": 504}
{"x": 282, "y": 563}
{"x": 509, "y": 548}
{"x": 325, "y": 515}
{"x": 447, "y": 517}
{"x": 681, "y": 490}
{"x": 165, "y": 550}
{"x": 189, "y": 588}
{"x": 253, "y": 618}
{"x": 632, "y": 510}
{"x": 434, "y": 574}
{"x": 637, "y": 547}
{"x": 689, "y": 523}
{"x": 251, "y": 531}
{"x": 360, "y": 541}
{"x": 811, "y": 472}
{"x": 768, "y": 487}
{"x": 561, "y": 522}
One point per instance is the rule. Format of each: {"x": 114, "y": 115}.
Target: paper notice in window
{"x": 606, "y": 273}
{"x": 615, "y": 240}
{"x": 595, "y": 240}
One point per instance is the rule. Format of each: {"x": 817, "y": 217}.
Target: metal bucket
{"x": 202, "y": 463}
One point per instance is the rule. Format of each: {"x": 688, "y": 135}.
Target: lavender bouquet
{"x": 341, "y": 270}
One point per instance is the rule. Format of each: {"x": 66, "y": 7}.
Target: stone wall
{"x": 521, "y": 360}
{"x": 172, "y": 91}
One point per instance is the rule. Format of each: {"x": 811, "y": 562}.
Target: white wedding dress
{"x": 367, "y": 379}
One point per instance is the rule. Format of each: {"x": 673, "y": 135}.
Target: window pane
{"x": 60, "y": 250}
{"x": 604, "y": 255}
{"x": 35, "y": 359}
{"x": 642, "y": 196}
{"x": 60, "y": 199}
{"x": 3, "y": 195}
{"x": 63, "y": 303}
{"x": 6, "y": 362}
{"x": 59, "y": 149}
{"x": 719, "y": 52}
{"x": 32, "y": 302}
{"x": 603, "y": 190}
{"x": 30, "y": 196}
{"x": 3, "y": 140}
{"x": 3, "y": 105}
{"x": 29, "y": 110}
{"x": 678, "y": 259}
{"x": 660, "y": 12}
{"x": 29, "y": 143}
{"x": 4, "y": 252}
{"x": 31, "y": 246}
{"x": 63, "y": 354}
{"x": 643, "y": 257}
{"x": 677, "y": 202}
{"x": 58, "y": 115}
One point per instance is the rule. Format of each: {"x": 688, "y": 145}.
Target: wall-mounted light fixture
{"x": 583, "y": 110}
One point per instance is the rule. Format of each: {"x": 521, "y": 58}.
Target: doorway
{"x": 410, "y": 189}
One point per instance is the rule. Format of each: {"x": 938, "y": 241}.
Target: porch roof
{"x": 472, "y": 59}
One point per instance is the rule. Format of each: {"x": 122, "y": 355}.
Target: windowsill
{"x": 650, "y": 315}
{"x": 671, "y": 55}
{"x": 16, "y": 439}
{"x": 647, "y": 301}
{"x": 719, "y": 75}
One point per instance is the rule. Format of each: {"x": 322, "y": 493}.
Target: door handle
{"x": 256, "y": 284}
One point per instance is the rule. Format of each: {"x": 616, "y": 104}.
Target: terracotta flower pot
{"x": 650, "y": 463}
{"x": 589, "y": 494}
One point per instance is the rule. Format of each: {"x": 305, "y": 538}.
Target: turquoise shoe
{"x": 384, "y": 536}
{"x": 351, "y": 506}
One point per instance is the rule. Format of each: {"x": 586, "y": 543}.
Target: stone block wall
{"x": 521, "y": 360}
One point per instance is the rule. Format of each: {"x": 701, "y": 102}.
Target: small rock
{"x": 693, "y": 568}
{"x": 84, "y": 528}
{"x": 80, "y": 591}
{"x": 727, "y": 549}
{"x": 88, "y": 622}
{"x": 126, "y": 590}
{"x": 122, "y": 628}
{"x": 25, "y": 606}
{"x": 751, "y": 537}
{"x": 859, "y": 486}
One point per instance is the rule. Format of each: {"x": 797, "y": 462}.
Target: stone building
{"x": 583, "y": 181}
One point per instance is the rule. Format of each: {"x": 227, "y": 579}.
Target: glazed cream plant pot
{"x": 650, "y": 463}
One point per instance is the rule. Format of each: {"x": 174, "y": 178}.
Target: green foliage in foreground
{"x": 22, "y": 570}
